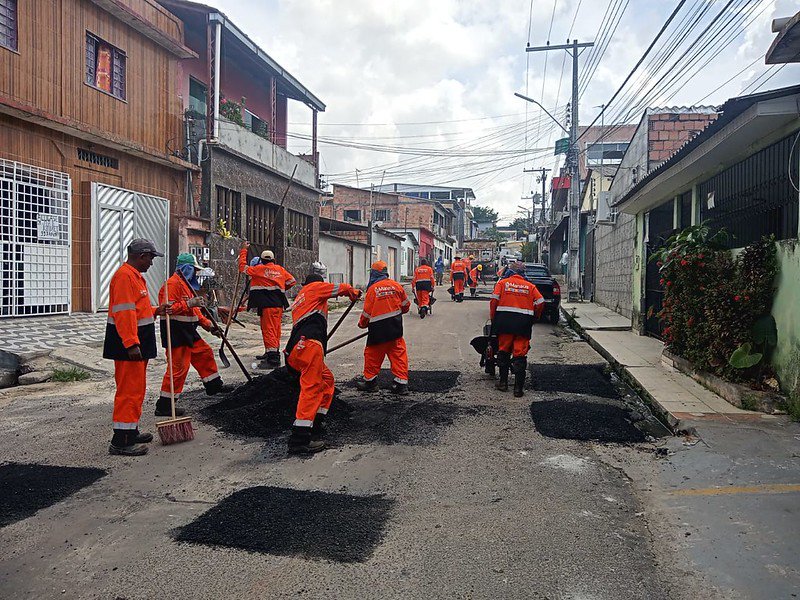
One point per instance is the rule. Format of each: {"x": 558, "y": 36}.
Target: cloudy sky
{"x": 421, "y": 91}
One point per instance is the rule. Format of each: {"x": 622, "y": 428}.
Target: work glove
{"x": 354, "y": 295}
{"x": 135, "y": 352}
{"x": 214, "y": 330}
{"x": 197, "y": 301}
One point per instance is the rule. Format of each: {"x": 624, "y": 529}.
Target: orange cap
{"x": 379, "y": 265}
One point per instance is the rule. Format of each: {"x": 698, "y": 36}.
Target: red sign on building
{"x": 560, "y": 183}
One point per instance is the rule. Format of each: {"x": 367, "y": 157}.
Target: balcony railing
{"x": 259, "y": 149}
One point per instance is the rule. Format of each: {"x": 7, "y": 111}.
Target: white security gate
{"x": 35, "y": 277}
{"x": 118, "y": 217}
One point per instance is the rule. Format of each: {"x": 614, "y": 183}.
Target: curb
{"x": 674, "y": 424}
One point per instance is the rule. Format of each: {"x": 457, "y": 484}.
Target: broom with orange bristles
{"x": 174, "y": 430}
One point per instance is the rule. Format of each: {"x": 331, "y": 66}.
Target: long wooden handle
{"x": 348, "y": 342}
{"x": 339, "y": 322}
{"x": 169, "y": 355}
{"x": 233, "y": 299}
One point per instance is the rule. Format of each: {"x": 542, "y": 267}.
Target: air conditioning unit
{"x": 606, "y": 215}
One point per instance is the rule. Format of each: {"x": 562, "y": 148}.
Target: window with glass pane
{"x": 105, "y": 66}
{"x": 8, "y": 24}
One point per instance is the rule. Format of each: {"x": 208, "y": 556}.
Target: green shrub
{"x": 69, "y": 374}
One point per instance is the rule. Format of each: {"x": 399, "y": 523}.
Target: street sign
{"x": 562, "y": 146}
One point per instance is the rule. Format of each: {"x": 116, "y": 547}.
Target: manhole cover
{"x": 265, "y": 408}
{"x": 28, "y": 488}
{"x": 425, "y": 382}
{"x": 287, "y": 522}
{"x": 584, "y": 420}
{"x": 571, "y": 379}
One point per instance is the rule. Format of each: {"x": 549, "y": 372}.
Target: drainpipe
{"x": 217, "y": 54}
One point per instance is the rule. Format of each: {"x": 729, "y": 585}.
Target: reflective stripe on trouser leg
{"x": 202, "y": 359}
{"x": 181, "y": 359}
{"x": 398, "y": 358}
{"x": 516, "y": 345}
{"x": 271, "y": 328}
{"x": 316, "y": 380}
{"x": 131, "y": 379}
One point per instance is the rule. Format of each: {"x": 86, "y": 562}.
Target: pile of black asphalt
{"x": 265, "y": 408}
{"x": 589, "y": 406}
{"x": 28, "y": 488}
{"x": 287, "y": 522}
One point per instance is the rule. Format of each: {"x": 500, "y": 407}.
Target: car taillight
{"x": 556, "y": 289}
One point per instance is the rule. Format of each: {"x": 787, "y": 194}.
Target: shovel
{"x": 222, "y": 358}
{"x": 348, "y": 342}
{"x": 339, "y": 322}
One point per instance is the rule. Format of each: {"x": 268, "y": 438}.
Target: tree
{"x": 484, "y": 214}
{"x": 522, "y": 225}
{"x": 493, "y": 234}
{"x": 529, "y": 251}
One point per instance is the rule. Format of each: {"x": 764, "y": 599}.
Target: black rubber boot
{"x": 262, "y": 356}
{"x": 401, "y": 389}
{"x": 300, "y": 441}
{"x": 213, "y": 386}
{"x": 318, "y": 428}
{"x": 367, "y": 386}
{"x": 164, "y": 408}
{"x": 123, "y": 443}
{"x": 422, "y": 312}
{"x": 519, "y": 366}
{"x": 491, "y": 367}
{"x": 142, "y": 438}
{"x": 503, "y": 361}
{"x": 274, "y": 359}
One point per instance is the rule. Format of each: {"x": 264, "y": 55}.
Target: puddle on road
{"x": 28, "y": 488}
{"x": 286, "y": 522}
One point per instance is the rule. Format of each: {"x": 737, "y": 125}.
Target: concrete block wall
{"x": 614, "y": 250}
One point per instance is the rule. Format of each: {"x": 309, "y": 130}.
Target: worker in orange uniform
{"x": 475, "y": 274}
{"x": 458, "y": 276}
{"x": 130, "y": 342}
{"x": 385, "y": 304}
{"x": 423, "y": 284}
{"x": 515, "y": 304}
{"x": 305, "y": 354}
{"x": 188, "y": 348}
{"x": 268, "y": 285}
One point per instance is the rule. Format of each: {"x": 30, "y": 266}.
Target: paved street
{"x": 458, "y": 495}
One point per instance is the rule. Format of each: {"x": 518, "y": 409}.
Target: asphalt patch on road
{"x": 265, "y": 408}
{"x": 286, "y": 522}
{"x": 28, "y": 488}
{"x": 586, "y": 420}
{"x": 572, "y": 379}
{"x": 423, "y": 382}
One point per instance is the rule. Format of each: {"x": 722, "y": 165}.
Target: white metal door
{"x": 120, "y": 216}
{"x": 35, "y": 269}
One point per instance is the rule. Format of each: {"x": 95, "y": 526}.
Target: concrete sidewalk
{"x": 677, "y": 397}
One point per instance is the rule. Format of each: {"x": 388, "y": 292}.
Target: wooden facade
{"x": 48, "y": 111}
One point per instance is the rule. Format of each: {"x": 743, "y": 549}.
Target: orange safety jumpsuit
{"x": 268, "y": 285}
{"x": 384, "y": 306}
{"x": 130, "y": 323}
{"x": 305, "y": 351}
{"x": 423, "y": 284}
{"x": 188, "y": 348}
{"x": 515, "y": 304}
{"x": 473, "y": 278}
{"x": 458, "y": 275}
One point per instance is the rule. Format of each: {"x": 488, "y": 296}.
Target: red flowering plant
{"x": 712, "y": 302}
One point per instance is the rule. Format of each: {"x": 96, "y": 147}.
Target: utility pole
{"x": 542, "y": 178}
{"x": 573, "y": 241}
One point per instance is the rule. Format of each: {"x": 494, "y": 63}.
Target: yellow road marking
{"x": 770, "y": 488}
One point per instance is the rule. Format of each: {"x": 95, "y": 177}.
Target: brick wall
{"x": 404, "y": 212}
{"x": 667, "y": 132}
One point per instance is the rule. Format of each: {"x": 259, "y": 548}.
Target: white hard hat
{"x": 318, "y": 268}
{"x": 267, "y": 255}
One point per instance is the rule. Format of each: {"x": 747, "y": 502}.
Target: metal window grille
{"x": 259, "y": 219}
{"x": 229, "y": 208}
{"x": 685, "y": 203}
{"x": 34, "y": 240}
{"x": 118, "y": 69}
{"x": 754, "y": 197}
{"x": 8, "y": 24}
{"x": 382, "y": 214}
{"x": 352, "y": 215}
{"x": 98, "y": 159}
{"x": 301, "y": 230}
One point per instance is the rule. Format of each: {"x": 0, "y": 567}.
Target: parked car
{"x": 539, "y": 275}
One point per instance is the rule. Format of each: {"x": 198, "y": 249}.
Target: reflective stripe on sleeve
{"x": 521, "y": 311}
{"x": 495, "y": 296}
{"x": 539, "y": 301}
{"x": 124, "y": 306}
{"x": 406, "y": 302}
{"x": 146, "y": 321}
{"x": 335, "y": 291}
{"x": 365, "y": 314}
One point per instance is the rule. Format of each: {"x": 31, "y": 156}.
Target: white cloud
{"x": 390, "y": 63}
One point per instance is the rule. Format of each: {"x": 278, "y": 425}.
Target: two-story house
{"x": 235, "y": 97}
{"x": 90, "y": 126}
